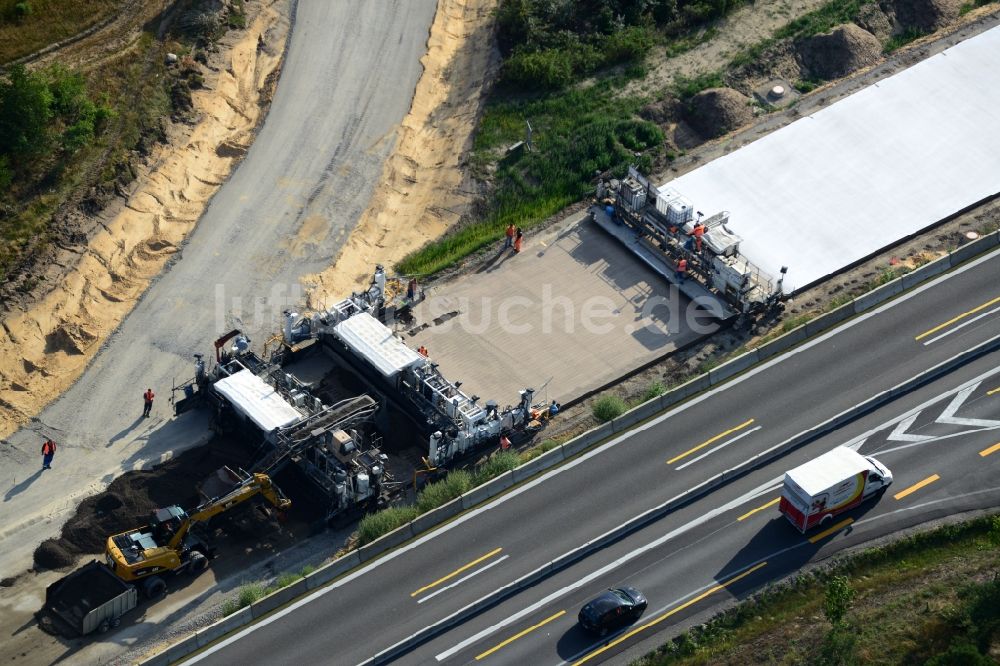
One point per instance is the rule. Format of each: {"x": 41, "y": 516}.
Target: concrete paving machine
{"x": 171, "y": 542}
{"x": 663, "y": 229}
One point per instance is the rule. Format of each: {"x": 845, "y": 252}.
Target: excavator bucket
{"x": 219, "y": 483}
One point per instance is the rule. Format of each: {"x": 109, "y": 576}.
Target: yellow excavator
{"x": 170, "y": 545}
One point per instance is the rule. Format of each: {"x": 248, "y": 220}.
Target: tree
{"x": 839, "y": 596}
{"x": 25, "y": 112}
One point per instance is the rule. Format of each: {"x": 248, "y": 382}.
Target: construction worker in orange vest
{"x": 698, "y": 232}
{"x": 48, "y": 452}
{"x": 147, "y": 402}
{"x": 422, "y": 351}
{"x": 682, "y": 267}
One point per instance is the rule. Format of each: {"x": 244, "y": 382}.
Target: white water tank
{"x": 361, "y": 484}
{"x": 679, "y": 211}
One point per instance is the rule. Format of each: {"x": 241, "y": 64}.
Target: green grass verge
{"x": 608, "y": 407}
{"x": 27, "y": 26}
{"x": 925, "y": 595}
{"x": 575, "y": 134}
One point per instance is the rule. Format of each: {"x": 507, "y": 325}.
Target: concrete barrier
{"x": 974, "y": 248}
{"x": 536, "y": 465}
{"x": 278, "y": 598}
{"x": 586, "y": 440}
{"x": 213, "y": 632}
{"x": 732, "y": 367}
{"x": 686, "y": 497}
{"x": 926, "y": 272}
{"x": 827, "y": 321}
{"x": 326, "y": 573}
{"x": 487, "y": 490}
{"x": 636, "y": 415}
{"x": 877, "y": 296}
{"x": 685, "y": 391}
{"x": 782, "y": 343}
{"x": 432, "y": 519}
{"x": 386, "y": 542}
{"x": 174, "y": 653}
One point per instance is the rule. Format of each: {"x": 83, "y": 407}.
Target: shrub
{"x": 837, "y": 600}
{"x": 375, "y": 525}
{"x": 436, "y": 494}
{"x": 250, "y": 593}
{"x": 608, "y": 407}
{"x": 286, "y": 579}
{"x": 23, "y": 10}
{"x": 550, "y": 69}
{"x": 501, "y": 462}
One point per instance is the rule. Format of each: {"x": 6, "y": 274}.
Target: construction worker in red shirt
{"x": 682, "y": 268}
{"x": 147, "y": 402}
{"x": 48, "y": 452}
{"x": 509, "y": 242}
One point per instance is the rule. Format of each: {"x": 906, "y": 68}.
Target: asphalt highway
{"x": 438, "y": 574}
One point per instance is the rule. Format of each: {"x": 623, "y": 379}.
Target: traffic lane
{"x": 911, "y": 467}
{"x": 604, "y": 505}
{"x": 767, "y": 542}
{"x": 613, "y": 493}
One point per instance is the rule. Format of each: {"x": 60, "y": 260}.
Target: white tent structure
{"x": 882, "y": 164}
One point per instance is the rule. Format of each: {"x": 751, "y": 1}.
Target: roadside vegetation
{"x": 564, "y": 66}
{"x": 70, "y": 139}
{"x": 252, "y": 592}
{"x": 931, "y": 598}
{"x": 27, "y": 26}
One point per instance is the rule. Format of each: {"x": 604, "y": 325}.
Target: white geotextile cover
{"x": 871, "y": 169}
{"x": 257, "y": 400}
{"x": 372, "y": 340}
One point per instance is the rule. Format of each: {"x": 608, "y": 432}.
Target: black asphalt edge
{"x": 683, "y": 499}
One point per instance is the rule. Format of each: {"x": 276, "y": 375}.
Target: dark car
{"x": 612, "y": 610}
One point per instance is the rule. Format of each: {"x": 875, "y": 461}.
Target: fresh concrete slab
{"x": 572, "y": 312}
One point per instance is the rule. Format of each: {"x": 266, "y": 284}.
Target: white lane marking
{"x": 719, "y": 447}
{"x": 463, "y": 579}
{"x": 933, "y": 439}
{"x": 963, "y": 325}
{"x": 778, "y": 553}
{"x": 611, "y": 566}
{"x": 948, "y": 415}
{"x": 860, "y": 439}
{"x": 899, "y": 434}
{"x": 474, "y": 513}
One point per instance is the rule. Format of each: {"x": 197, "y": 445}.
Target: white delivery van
{"x": 835, "y": 482}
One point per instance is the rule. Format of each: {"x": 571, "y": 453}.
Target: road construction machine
{"x": 172, "y": 542}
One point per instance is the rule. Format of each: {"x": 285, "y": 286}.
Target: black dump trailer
{"x": 91, "y": 598}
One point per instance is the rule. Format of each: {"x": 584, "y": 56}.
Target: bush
{"x": 377, "y": 524}
{"x": 608, "y": 407}
{"x": 497, "y": 464}
{"x": 960, "y": 653}
{"x": 550, "y": 69}
{"x": 436, "y": 494}
{"x": 25, "y": 112}
{"x": 250, "y": 593}
{"x": 286, "y": 579}
{"x": 837, "y": 601}
{"x": 23, "y": 10}
{"x": 655, "y": 390}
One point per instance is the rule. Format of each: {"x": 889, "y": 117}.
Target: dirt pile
{"x": 845, "y": 49}
{"x": 422, "y": 191}
{"x": 718, "y": 111}
{"x": 129, "y": 500}
{"x": 44, "y": 347}
{"x": 926, "y": 15}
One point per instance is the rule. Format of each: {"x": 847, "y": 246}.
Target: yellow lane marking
{"x": 825, "y": 533}
{"x": 706, "y": 593}
{"x": 760, "y": 508}
{"x": 958, "y": 318}
{"x": 992, "y": 391}
{"x": 917, "y": 486}
{"x": 519, "y": 635}
{"x": 709, "y": 441}
{"x": 457, "y": 571}
{"x": 992, "y": 449}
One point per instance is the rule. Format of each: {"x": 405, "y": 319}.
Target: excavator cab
{"x": 165, "y": 523}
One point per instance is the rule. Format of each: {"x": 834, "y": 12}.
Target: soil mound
{"x": 662, "y": 112}
{"x": 54, "y": 554}
{"x": 718, "y": 111}
{"x": 843, "y": 50}
{"x": 926, "y": 15}
{"x": 131, "y": 498}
